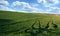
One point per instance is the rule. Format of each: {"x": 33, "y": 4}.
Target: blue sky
{"x": 31, "y": 6}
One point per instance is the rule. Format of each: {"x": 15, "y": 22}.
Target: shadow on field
{"x": 4, "y": 22}
{"x": 4, "y": 25}
{"x": 8, "y": 26}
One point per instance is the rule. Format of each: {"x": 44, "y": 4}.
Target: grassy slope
{"x": 16, "y": 22}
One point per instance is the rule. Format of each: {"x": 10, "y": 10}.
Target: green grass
{"x": 12, "y": 23}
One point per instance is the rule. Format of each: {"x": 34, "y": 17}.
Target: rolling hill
{"x": 14, "y": 23}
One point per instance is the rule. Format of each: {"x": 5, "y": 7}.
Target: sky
{"x": 31, "y": 6}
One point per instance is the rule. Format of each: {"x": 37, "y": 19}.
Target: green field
{"x": 14, "y": 23}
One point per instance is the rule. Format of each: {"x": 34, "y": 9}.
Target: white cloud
{"x": 55, "y": 10}
{"x": 23, "y": 4}
{"x": 6, "y": 8}
{"x": 54, "y": 7}
{"x": 26, "y": 6}
{"x": 48, "y": 3}
{"x": 4, "y": 5}
{"x": 51, "y": 5}
{"x": 31, "y": 8}
{"x": 3, "y": 2}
